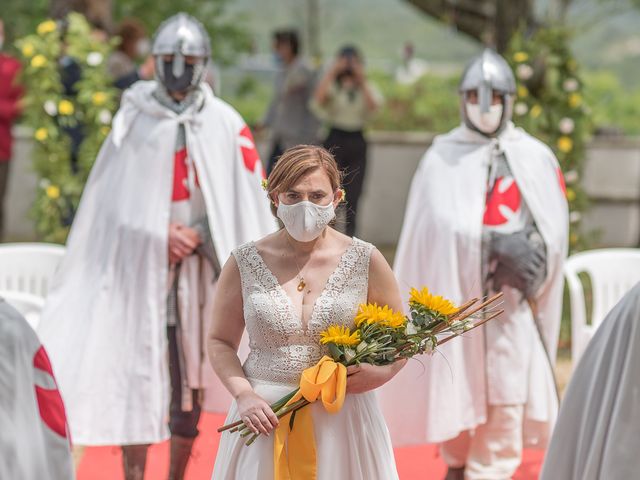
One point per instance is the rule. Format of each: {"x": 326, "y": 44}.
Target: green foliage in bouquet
{"x": 380, "y": 336}
{"x": 550, "y": 105}
{"x": 49, "y": 111}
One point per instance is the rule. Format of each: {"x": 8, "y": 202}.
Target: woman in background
{"x": 345, "y": 101}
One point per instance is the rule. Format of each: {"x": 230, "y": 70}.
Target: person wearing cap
{"x": 486, "y": 213}
{"x": 345, "y": 101}
{"x": 175, "y": 188}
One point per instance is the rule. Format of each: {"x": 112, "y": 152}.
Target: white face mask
{"x": 485, "y": 122}
{"x": 305, "y": 221}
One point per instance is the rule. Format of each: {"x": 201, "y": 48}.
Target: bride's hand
{"x": 364, "y": 377}
{"x": 256, "y": 413}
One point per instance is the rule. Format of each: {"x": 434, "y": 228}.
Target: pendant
{"x": 301, "y": 285}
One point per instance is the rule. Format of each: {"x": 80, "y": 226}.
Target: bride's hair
{"x": 298, "y": 161}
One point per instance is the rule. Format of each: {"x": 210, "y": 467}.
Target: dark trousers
{"x": 183, "y": 424}
{"x": 350, "y": 152}
{"x": 4, "y": 180}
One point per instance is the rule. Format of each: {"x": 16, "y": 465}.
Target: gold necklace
{"x": 299, "y": 276}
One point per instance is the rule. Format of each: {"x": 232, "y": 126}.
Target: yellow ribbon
{"x": 294, "y": 450}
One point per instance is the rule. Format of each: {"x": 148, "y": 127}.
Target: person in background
{"x": 411, "y": 69}
{"x": 10, "y": 93}
{"x": 288, "y": 118}
{"x": 486, "y": 213}
{"x": 134, "y": 45}
{"x": 175, "y": 187}
{"x": 70, "y": 75}
{"x": 345, "y": 100}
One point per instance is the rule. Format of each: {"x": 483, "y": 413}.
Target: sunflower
{"x": 520, "y": 57}
{"x": 28, "y": 50}
{"x": 384, "y": 316}
{"x": 45, "y": 27}
{"x": 431, "y": 302}
{"x": 99, "y": 98}
{"x": 565, "y": 144}
{"x": 38, "y": 61}
{"x": 41, "y": 134}
{"x": 53, "y": 192}
{"x": 575, "y": 100}
{"x": 536, "y": 111}
{"x": 65, "y": 107}
{"x": 339, "y": 335}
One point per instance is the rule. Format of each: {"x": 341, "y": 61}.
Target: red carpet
{"x": 414, "y": 463}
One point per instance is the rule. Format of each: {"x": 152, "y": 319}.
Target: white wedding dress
{"x": 353, "y": 444}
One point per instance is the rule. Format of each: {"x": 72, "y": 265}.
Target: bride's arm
{"x": 383, "y": 290}
{"x": 223, "y": 342}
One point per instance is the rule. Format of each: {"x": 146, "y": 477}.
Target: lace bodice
{"x": 280, "y": 349}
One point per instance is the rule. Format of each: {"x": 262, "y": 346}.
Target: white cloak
{"x": 34, "y": 435}
{"x": 104, "y": 322}
{"x": 598, "y": 429}
{"x": 435, "y": 398}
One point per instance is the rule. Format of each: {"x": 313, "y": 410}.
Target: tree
{"x": 227, "y": 32}
{"x": 494, "y": 22}
{"x": 97, "y": 12}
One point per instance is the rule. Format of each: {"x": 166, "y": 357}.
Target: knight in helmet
{"x": 176, "y": 186}
{"x": 486, "y": 213}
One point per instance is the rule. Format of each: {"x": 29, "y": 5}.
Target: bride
{"x": 285, "y": 289}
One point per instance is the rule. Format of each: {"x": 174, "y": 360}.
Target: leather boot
{"x": 454, "y": 473}
{"x": 180, "y": 453}
{"x": 134, "y": 459}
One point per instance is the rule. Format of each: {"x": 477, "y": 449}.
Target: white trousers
{"x": 493, "y": 451}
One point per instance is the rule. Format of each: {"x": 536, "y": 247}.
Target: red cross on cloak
{"x": 49, "y": 399}
{"x": 502, "y": 202}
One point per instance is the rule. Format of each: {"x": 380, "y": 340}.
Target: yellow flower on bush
{"x": 38, "y": 61}
{"x": 573, "y": 238}
{"x": 45, "y": 27}
{"x": 28, "y": 50}
{"x": 41, "y": 134}
{"x": 340, "y": 336}
{"x": 65, "y": 107}
{"x": 535, "y": 111}
{"x": 99, "y": 98}
{"x": 565, "y": 144}
{"x": 53, "y": 192}
{"x": 385, "y": 316}
{"x": 435, "y": 303}
{"x": 571, "y": 194}
{"x": 523, "y": 91}
{"x": 520, "y": 57}
{"x": 575, "y": 100}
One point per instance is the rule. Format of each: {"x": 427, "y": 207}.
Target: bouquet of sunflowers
{"x": 380, "y": 336}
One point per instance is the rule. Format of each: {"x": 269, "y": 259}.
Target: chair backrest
{"x": 612, "y": 272}
{"x": 29, "y": 267}
{"x": 29, "y": 305}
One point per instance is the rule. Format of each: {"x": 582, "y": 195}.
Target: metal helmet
{"x": 486, "y": 73}
{"x": 181, "y": 35}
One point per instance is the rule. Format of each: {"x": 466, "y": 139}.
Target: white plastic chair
{"x": 29, "y": 267}
{"x": 613, "y": 272}
{"x": 29, "y": 305}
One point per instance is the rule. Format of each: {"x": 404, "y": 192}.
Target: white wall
{"x": 611, "y": 178}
